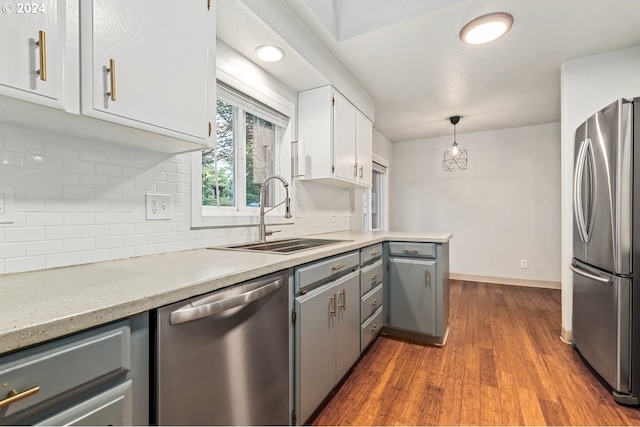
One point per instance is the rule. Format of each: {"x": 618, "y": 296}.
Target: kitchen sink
{"x": 284, "y": 246}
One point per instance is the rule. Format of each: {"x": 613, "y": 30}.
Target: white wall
{"x": 588, "y": 84}
{"x": 503, "y": 208}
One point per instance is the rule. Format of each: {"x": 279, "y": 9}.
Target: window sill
{"x": 241, "y": 219}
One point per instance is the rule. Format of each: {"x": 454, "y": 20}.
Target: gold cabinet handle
{"x": 337, "y": 267}
{"x": 343, "y": 295}
{"x": 376, "y": 328}
{"x": 112, "y": 78}
{"x": 375, "y": 303}
{"x": 410, "y": 251}
{"x": 375, "y": 278}
{"x": 332, "y": 310}
{"x": 374, "y": 254}
{"x": 42, "y": 44}
{"x": 14, "y": 396}
{"x": 426, "y": 278}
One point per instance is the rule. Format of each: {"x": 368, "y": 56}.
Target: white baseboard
{"x": 566, "y": 336}
{"x": 507, "y": 281}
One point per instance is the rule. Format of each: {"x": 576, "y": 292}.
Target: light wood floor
{"x": 503, "y": 364}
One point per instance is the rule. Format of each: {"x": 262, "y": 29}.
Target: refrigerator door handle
{"x": 590, "y": 276}
{"x": 585, "y": 153}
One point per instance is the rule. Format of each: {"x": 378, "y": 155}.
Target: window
{"x": 375, "y": 199}
{"x": 250, "y": 147}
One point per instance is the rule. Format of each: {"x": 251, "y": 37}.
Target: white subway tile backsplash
{"x": 79, "y": 218}
{"x": 15, "y": 265}
{"x": 119, "y": 253}
{"x": 34, "y": 219}
{"x": 94, "y": 231}
{"x": 94, "y": 256}
{"x": 134, "y": 240}
{"x": 64, "y": 232}
{"x": 62, "y": 260}
{"x": 45, "y": 247}
{"x": 108, "y": 242}
{"x": 79, "y": 245}
{"x": 24, "y": 234}
{"x": 121, "y": 229}
{"x": 13, "y": 250}
{"x": 80, "y": 201}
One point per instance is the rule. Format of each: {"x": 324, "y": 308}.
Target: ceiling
{"x": 407, "y": 55}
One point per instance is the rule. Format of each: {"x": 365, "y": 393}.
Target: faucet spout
{"x": 262, "y": 229}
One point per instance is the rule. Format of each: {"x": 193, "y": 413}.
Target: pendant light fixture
{"x": 455, "y": 158}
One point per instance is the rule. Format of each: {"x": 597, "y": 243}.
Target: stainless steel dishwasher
{"x": 223, "y": 358}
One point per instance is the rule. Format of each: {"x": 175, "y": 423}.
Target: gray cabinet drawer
{"x": 370, "y": 277}
{"x": 410, "y": 249}
{"x": 107, "y": 409}
{"x": 370, "y": 254}
{"x": 321, "y": 270}
{"x": 63, "y": 366}
{"x": 370, "y": 329}
{"x": 370, "y": 303}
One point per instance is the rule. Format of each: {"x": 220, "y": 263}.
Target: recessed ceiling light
{"x": 269, "y": 53}
{"x": 486, "y": 28}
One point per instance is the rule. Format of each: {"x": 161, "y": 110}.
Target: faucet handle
{"x": 270, "y": 232}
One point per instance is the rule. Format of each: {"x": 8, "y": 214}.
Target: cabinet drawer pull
{"x": 14, "y": 396}
{"x": 374, "y": 254}
{"x": 343, "y": 295}
{"x": 411, "y": 251}
{"x": 375, "y": 278}
{"x": 112, "y": 78}
{"x": 332, "y": 308}
{"x": 376, "y": 328}
{"x": 337, "y": 267}
{"x": 42, "y": 44}
{"x": 355, "y": 170}
{"x": 361, "y": 171}
{"x": 375, "y": 303}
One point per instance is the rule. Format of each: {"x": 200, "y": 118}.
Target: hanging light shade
{"x": 455, "y": 158}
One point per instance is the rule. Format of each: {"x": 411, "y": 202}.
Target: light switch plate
{"x": 158, "y": 206}
{"x": 7, "y": 206}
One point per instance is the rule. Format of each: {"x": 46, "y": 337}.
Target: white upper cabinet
{"x": 364, "y": 149}
{"x": 32, "y": 48}
{"x": 147, "y": 66}
{"x": 338, "y": 138}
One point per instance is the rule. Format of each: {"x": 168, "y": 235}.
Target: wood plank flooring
{"x": 503, "y": 364}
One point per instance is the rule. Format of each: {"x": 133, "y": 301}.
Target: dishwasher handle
{"x": 194, "y": 313}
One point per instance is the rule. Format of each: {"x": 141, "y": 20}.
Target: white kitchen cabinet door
{"x": 332, "y": 129}
{"x": 364, "y": 149}
{"x": 32, "y": 39}
{"x": 160, "y": 52}
{"x": 344, "y": 138}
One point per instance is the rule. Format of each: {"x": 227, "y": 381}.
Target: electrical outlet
{"x": 523, "y": 263}
{"x": 7, "y": 209}
{"x": 158, "y": 206}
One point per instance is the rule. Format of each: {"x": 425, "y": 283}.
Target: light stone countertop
{"x": 42, "y": 305}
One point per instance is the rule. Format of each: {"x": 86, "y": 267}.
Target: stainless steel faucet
{"x": 262, "y": 230}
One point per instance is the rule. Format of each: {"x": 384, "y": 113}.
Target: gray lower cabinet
{"x": 418, "y": 290}
{"x": 327, "y": 335}
{"x": 412, "y": 296}
{"x": 99, "y": 376}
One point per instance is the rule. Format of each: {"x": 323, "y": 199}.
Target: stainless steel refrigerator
{"x": 606, "y": 246}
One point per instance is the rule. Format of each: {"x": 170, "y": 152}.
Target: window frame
{"x": 245, "y": 216}
{"x": 383, "y": 210}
